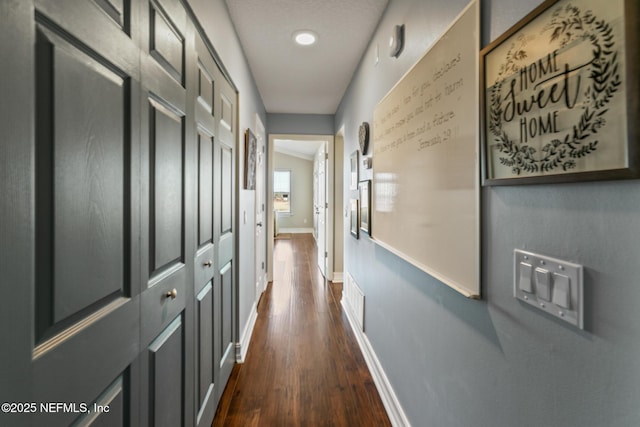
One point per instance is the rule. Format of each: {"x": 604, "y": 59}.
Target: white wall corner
{"x": 262, "y": 286}
{"x": 387, "y": 394}
{"x": 243, "y": 346}
{"x": 338, "y": 277}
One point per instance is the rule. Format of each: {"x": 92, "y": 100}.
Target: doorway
{"x": 311, "y": 144}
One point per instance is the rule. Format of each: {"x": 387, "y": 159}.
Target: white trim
{"x": 243, "y": 346}
{"x": 295, "y": 230}
{"x": 338, "y": 277}
{"x": 387, "y": 395}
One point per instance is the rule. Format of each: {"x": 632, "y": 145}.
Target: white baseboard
{"x": 295, "y": 230}
{"x": 387, "y": 395}
{"x": 243, "y": 346}
{"x": 338, "y": 277}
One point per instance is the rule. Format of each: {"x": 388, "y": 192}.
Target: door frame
{"x": 329, "y": 140}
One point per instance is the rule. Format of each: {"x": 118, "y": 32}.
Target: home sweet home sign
{"x": 555, "y": 95}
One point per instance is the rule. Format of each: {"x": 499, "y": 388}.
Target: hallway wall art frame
{"x": 250, "y": 144}
{"x": 560, "y": 95}
{"x": 364, "y": 190}
{"x": 354, "y": 171}
{"x": 354, "y": 218}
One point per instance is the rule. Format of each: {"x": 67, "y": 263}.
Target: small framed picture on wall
{"x": 365, "y": 203}
{"x": 354, "y": 171}
{"x": 249, "y": 160}
{"x": 353, "y": 217}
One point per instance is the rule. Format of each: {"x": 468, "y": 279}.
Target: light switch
{"x": 551, "y": 285}
{"x": 561, "y": 290}
{"x": 543, "y": 284}
{"x": 524, "y": 283}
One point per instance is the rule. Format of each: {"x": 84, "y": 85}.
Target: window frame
{"x": 273, "y": 194}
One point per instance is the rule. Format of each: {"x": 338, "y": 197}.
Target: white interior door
{"x": 321, "y": 208}
{"x": 261, "y": 244}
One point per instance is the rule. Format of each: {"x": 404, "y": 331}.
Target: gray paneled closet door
{"x": 224, "y": 231}
{"x": 117, "y": 217}
{"x": 86, "y": 298}
{"x": 206, "y": 283}
{"x": 215, "y": 112}
{"x": 167, "y": 206}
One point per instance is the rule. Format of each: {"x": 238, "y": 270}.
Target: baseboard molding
{"x": 388, "y": 396}
{"x": 295, "y": 230}
{"x": 338, "y": 277}
{"x": 243, "y": 346}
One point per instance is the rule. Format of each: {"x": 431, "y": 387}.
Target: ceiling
{"x": 303, "y": 149}
{"x": 304, "y": 79}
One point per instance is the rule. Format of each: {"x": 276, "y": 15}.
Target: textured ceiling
{"x": 304, "y": 79}
{"x": 303, "y": 149}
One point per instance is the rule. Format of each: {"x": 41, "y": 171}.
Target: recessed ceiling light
{"x": 305, "y": 37}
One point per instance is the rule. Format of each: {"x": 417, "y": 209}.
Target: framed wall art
{"x": 250, "y": 143}
{"x": 354, "y": 218}
{"x": 365, "y": 204}
{"x": 559, "y": 95}
{"x": 354, "y": 171}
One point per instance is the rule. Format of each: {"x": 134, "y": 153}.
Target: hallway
{"x": 304, "y": 366}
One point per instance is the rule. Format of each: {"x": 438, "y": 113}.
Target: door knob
{"x": 259, "y": 224}
{"x": 208, "y": 263}
{"x": 173, "y": 293}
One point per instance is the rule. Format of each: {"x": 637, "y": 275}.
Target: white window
{"x": 282, "y": 191}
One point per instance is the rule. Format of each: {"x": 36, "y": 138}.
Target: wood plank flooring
{"x": 304, "y": 366}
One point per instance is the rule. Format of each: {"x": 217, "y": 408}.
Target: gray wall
{"x": 214, "y": 18}
{"x": 300, "y": 124}
{"x": 301, "y": 191}
{"x": 496, "y": 362}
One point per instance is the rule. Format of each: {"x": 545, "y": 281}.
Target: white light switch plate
{"x": 550, "y": 270}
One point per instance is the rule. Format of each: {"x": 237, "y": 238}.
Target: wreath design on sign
{"x": 567, "y": 25}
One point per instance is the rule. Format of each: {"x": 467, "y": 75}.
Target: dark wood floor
{"x": 304, "y": 366}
